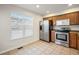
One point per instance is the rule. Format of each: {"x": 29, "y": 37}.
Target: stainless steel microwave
{"x": 63, "y": 22}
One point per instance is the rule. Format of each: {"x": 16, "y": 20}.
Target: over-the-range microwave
{"x": 63, "y": 22}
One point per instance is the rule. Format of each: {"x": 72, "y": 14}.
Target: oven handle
{"x": 61, "y": 33}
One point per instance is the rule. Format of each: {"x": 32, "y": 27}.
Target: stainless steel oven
{"x": 62, "y": 38}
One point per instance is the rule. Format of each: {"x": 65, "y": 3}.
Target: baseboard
{"x": 17, "y": 47}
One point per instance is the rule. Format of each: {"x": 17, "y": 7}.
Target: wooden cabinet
{"x": 48, "y": 18}
{"x": 78, "y": 41}
{"x": 53, "y": 36}
{"x": 54, "y": 20}
{"x": 62, "y": 17}
{"x": 74, "y": 18}
{"x": 73, "y": 40}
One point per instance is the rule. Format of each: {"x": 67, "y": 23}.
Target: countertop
{"x": 75, "y": 30}
{"x": 70, "y": 30}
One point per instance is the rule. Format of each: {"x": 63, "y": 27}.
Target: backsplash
{"x": 72, "y": 27}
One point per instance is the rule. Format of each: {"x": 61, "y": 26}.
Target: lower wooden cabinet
{"x": 73, "y": 40}
{"x": 53, "y": 36}
{"x": 78, "y": 41}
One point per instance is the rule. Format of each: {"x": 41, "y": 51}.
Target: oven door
{"x": 61, "y": 36}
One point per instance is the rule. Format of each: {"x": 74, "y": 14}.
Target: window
{"x": 21, "y": 26}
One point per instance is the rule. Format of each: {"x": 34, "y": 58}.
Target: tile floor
{"x": 43, "y": 48}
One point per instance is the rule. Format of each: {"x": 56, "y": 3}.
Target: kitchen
{"x": 64, "y": 29}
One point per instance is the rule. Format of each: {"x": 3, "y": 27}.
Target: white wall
{"x": 6, "y": 43}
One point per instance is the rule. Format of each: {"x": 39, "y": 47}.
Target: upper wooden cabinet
{"x": 74, "y": 18}
{"x": 48, "y": 18}
{"x": 54, "y": 20}
{"x": 62, "y": 17}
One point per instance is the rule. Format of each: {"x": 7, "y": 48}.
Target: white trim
{"x": 17, "y": 46}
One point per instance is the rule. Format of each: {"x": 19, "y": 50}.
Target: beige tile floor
{"x": 43, "y": 48}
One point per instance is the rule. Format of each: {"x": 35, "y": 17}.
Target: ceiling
{"x": 52, "y": 8}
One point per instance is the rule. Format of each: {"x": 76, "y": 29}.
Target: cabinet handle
{"x": 78, "y": 34}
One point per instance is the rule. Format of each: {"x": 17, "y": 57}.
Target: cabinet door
{"x": 73, "y": 18}
{"x": 54, "y": 20}
{"x": 53, "y": 36}
{"x": 62, "y": 17}
{"x": 78, "y": 41}
{"x": 73, "y": 40}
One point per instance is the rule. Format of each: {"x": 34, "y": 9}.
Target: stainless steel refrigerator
{"x": 45, "y": 30}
